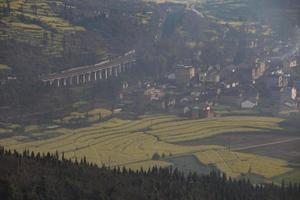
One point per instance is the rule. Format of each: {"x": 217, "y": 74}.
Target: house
{"x": 186, "y": 111}
{"x": 208, "y": 112}
{"x": 230, "y": 76}
{"x": 249, "y": 104}
{"x": 171, "y": 76}
{"x": 253, "y": 44}
{"x": 195, "y": 112}
{"x": 289, "y": 64}
{"x": 202, "y": 77}
{"x": 168, "y": 104}
{"x": 286, "y": 98}
{"x": 290, "y": 104}
{"x": 213, "y": 77}
{"x": 259, "y": 69}
{"x": 249, "y": 97}
{"x": 295, "y": 93}
{"x": 184, "y": 73}
{"x": 230, "y": 97}
{"x": 186, "y": 100}
{"x": 276, "y": 81}
{"x": 154, "y": 93}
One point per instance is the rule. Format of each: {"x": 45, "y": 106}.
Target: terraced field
{"x": 196, "y": 129}
{"x": 93, "y": 115}
{"x": 132, "y": 143}
{"x": 35, "y": 23}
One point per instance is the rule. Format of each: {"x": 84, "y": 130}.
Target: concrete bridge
{"x": 85, "y": 74}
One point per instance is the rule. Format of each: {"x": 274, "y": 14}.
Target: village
{"x": 265, "y": 83}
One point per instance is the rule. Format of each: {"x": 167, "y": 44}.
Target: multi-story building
{"x": 184, "y": 73}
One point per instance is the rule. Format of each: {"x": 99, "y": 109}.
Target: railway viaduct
{"x": 100, "y": 71}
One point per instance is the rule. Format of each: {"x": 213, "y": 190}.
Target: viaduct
{"x": 85, "y": 74}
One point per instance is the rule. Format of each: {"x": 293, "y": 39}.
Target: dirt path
{"x": 265, "y": 144}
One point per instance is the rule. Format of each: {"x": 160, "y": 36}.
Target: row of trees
{"x": 50, "y": 176}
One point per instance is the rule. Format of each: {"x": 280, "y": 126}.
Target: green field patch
{"x": 4, "y": 67}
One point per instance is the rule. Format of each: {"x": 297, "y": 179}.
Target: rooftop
{"x": 184, "y": 67}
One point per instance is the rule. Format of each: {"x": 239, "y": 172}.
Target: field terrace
{"x": 132, "y": 143}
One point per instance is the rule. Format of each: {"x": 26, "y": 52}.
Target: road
{"x": 265, "y": 144}
{"x": 193, "y": 9}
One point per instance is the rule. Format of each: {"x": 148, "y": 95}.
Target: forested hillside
{"x": 29, "y": 176}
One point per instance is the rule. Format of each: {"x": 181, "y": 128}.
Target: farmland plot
{"x": 132, "y": 143}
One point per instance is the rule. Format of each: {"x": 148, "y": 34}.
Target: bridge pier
{"x": 71, "y": 80}
{"x": 65, "y": 81}
{"x": 83, "y": 78}
{"x": 100, "y": 74}
{"x": 77, "y": 79}
{"x": 106, "y": 74}
{"x": 95, "y": 76}
{"x": 110, "y": 71}
{"x": 58, "y": 82}
{"x": 116, "y": 71}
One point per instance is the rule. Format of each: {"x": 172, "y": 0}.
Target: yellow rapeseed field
{"x": 234, "y": 163}
{"x": 132, "y": 143}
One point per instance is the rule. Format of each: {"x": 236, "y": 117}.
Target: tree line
{"x": 30, "y": 175}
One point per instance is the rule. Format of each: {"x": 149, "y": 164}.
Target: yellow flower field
{"x": 132, "y": 143}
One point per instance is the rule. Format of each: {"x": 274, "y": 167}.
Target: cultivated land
{"x": 132, "y": 143}
{"x": 34, "y": 22}
{"x": 282, "y": 145}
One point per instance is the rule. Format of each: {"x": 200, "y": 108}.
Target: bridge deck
{"x": 88, "y": 69}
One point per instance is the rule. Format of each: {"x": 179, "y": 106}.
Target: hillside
{"x": 49, "y": 36}
{"x": 36, "y": 23}
{"x": 30, "y": 176}
{"x": 46, "y": 36}
{"x": 149, "y": 99}
{"x": 52, "y": 35}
